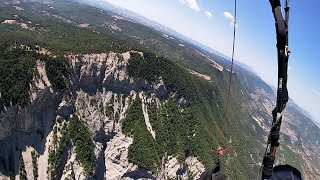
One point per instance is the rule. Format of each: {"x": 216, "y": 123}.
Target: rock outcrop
{"x": 100, "y": 92}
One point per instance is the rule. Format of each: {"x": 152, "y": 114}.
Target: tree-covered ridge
{"x": 18, "y": 67}
{"x": 175, "y": 128}
{"x": 80, "y": 135}
{"x": 179, "y": 132}
{"x": 194, "y": 130}
{"x": 143, "y": 151}
{"x": 58, "y": 73}
{"x": 60, "y": 37}
{"x": 58, "y": 148}
{"x": 74, "y": 133}
{"x": 176, "y": 79}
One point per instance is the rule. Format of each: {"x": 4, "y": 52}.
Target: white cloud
{"x": 193, "y": 4}
{"x": 208, "y": 14}
{"x": 228, "y": 15}
{"x": 231, "y": 18}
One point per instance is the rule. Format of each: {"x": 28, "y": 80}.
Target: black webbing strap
{"x": 282, "y": 92}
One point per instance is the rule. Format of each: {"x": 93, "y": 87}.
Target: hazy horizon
{"x": 256, "y": 38}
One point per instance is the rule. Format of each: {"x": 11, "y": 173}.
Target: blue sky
{"x": 209, "y": 22}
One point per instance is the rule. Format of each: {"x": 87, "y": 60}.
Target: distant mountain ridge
{"x": 163, "y": 29}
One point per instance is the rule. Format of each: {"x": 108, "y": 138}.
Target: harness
{"x": 281, "y": 24}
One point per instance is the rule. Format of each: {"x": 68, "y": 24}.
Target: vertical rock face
{"x": 195, "y": 166}
{"x": 28, "y": 126}
{"x": 42, "y": 100}
{"x": 101, "y": 92}
{"x": 111, "y": 145}
{"x": 146, "y": 116}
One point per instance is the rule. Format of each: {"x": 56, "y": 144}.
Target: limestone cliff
{"x": 100, "y": 92}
